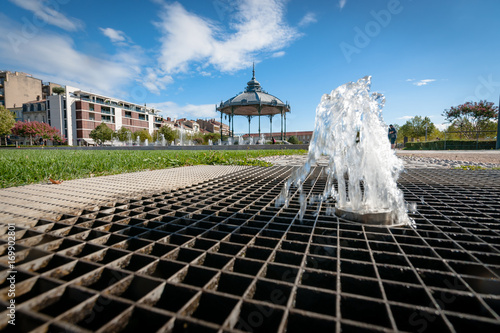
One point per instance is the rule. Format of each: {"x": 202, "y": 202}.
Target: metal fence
{"x": 480, "y": 140}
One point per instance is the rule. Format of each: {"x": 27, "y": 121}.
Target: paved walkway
{"x": 26, "y": 204}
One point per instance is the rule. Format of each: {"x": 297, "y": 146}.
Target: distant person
{"x": 392, "y": 136}
{"x": 274, "y": 141}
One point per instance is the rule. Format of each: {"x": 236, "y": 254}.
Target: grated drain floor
{"x": 219, "y": 257}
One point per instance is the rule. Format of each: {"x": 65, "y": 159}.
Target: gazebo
{"x": 254, "y": 102}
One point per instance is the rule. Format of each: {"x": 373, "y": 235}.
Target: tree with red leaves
{"x": 472, "y": 117}
{"x": 37, "y": 130}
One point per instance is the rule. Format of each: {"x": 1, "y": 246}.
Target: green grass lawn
{"x": 23, "y": 166}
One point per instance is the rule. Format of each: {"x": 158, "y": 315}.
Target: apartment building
{"x": 76, "y": 113}
{"x": 93, "y": 109}
{"x": 213, "y": 126}
{"x": 17, "y": 88}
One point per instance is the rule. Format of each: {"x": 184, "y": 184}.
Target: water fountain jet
{"x": 349, "y": 130}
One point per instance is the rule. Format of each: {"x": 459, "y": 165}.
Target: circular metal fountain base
{"x": 373, "y": 218}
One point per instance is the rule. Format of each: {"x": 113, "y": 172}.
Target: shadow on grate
{"x": 219, "y": 256}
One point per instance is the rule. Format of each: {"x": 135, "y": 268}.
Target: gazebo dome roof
{"x": 254, "y": 97}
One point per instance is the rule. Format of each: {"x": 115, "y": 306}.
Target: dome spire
{"x": 253, "y": 85}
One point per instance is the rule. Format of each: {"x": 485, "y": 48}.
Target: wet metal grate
{"x": 219, "y": 257}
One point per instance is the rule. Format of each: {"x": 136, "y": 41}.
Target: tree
{"x": 101, "y": 133}
{"x": 293, "y": 139}
{"x": 168, "y": 133}
{"x": 36, "y": 130}
{"x": 142, "y": 135}
{"x": 416, "y": 127}
{"x": 123, "y": 134}
{"x": 7, "y": 121}
{"x": 471, "y": 118}
{"x": 58, "y": 90}
{"x": 211, "y": 136}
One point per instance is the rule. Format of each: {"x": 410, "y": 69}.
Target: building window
{"x": 91, "y": 116}
{"x": 128, "y": 114}
{"x": 142, "y": 117}
{"x": 107, "y": 119}
{"x": 91, "y": 107}
{"x": 48, "y": 105}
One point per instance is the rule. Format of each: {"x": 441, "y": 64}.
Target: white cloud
{"x": 257, "y": 26}
{"x": 410, "y": 80}
{"x": 278, "y": 54}
{"x": 155, "y": 81}
{"x": 308, "y": 19}
{"x": 423, "y": 82}
{"x": 48, "y": 12}
{"x": 342, "y": 3}
{"x": 50, "y": 55}
{"x": 442, "y": 126}
{"x": 189, "y": 111}
{"x": 114, "y": 35}
{"x": 405, "y": 117}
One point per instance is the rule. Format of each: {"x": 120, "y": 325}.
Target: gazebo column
{"x": 271, "y": 126}
{"x": 249, "y": 119}
{"x": 285, "y": 125}
{"x": 221, "y": 125}
{"x": 259, "y": 119}
{"x": 281, "y": 123}
{"x": 232, "y": 122}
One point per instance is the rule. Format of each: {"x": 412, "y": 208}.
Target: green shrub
{"x": 293, "y": 139}
{"x": 450, "y": 145}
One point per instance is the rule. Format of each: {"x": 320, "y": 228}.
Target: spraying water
{"x": 129, "y": 139}
{"x": 350, "y": 130}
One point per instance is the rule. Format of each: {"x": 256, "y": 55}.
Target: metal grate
{"x": 219, "y": 257}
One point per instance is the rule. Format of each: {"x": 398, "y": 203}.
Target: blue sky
{"x": 186, "y": 56}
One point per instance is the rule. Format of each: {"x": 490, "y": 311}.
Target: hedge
{"x": 451, "y": 145}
